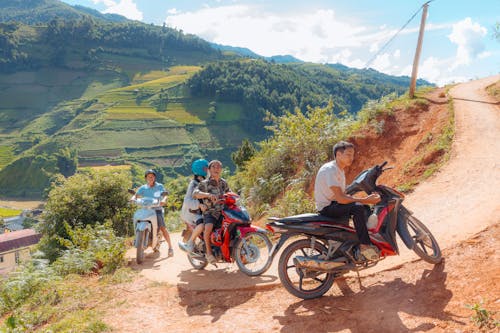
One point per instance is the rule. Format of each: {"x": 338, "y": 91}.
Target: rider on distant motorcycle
{"x": 210, "y": 191}
{"x": 152, "y": 189}
{"x": 191, "y": 210}
{"x": 331, "y": 199}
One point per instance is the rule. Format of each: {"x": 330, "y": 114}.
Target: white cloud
{"x": 382, "y": 62}
{"x": 484, "y": 55}
{"x": 374, "y": 47}
{"x": 322, "y": 36}
{"x": 310, "y": 36}
{"x": 468, "y": 36}
{"x": 127, "y": 8}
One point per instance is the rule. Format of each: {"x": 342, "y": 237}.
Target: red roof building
{"x": 15, "y": 246}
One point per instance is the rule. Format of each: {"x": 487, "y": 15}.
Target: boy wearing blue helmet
{"x": 191, "y": 207}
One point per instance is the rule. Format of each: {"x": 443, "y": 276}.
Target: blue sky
{"x": 458, "y": 43}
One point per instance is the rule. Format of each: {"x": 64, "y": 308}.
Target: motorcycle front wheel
{"x": 425, "y": 245}
{"x": 142, "y": 241}
{"x": 252, "y": 253}
{"x": 197, "y": 258}
{"x": 301, "y": 282}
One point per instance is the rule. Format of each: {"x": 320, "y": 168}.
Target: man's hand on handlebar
{"x": 372, "y": 199}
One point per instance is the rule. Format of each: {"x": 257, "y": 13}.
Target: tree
{"x": 244, "y": 153}
{"x": 84, "y": 199}
{"x": 67, "y": 161}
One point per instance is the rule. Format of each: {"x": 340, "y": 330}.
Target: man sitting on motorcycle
{"x": 191, "y": 210}
{"x": 332, "y": 201}
{"x": 210, "y": 190}
{"x": 152, "y": 189}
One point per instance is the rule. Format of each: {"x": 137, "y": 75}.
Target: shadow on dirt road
{"x": 380, "y": 307}
{"x": 227, "y": 295}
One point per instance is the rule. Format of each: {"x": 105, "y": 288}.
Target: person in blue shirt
{"x": 153, "y": 189}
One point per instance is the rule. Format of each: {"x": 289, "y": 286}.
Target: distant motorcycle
{"x": 235, "y": 240}
{"x": 147, "y": 233}
{"x": 307, "y": 267}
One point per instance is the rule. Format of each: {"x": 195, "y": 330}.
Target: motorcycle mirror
{"x": 131, "y": 191}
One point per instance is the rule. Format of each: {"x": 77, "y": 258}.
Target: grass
{"x": 118, "y": 125}
{"x": 9, "y": 212}
{"x": 494, "y": 90}
{"x": 483, "y": 318}
{"x": 146, "y": 138}
{"x": 70, "y": 305}
{"x": 101, "y": 153}
{"x": 111, "y": 124}
{"x": 163, "y": 151}
{"x": 6, "y": 155}
{"x": 440, "y": 145}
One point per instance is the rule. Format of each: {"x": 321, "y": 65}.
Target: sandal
{"x": 170, "y": 252}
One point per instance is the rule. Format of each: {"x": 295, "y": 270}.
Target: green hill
{"x": 42, "y": 11}
{"x": 86, "y": 90}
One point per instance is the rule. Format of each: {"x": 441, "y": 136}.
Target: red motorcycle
{"x": 308, "y": 266}
{"x": 236, "y": 240}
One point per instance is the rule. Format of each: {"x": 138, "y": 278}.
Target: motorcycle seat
{"x": 310, "y": 217}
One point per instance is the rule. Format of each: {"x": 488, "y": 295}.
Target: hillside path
{"x": 457, "y": 202}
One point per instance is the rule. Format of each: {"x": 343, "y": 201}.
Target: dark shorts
{"x": 209, "y": 219}
{"x": 199, "y": 221}
{"x": 160, "y": 218}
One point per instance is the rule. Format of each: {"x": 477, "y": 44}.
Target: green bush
{"x": 91, "y": 248}
{"x": 300, "y": 144}
{"x": 85, "y": 199}
{"x": 295, "y": 201}
{"x": 173, "y": 221}
{"x": 25, "y": 284}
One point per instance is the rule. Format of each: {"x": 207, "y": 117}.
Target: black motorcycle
{"x": 308, "y": 266}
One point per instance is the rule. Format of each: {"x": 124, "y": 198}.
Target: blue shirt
{"x": 151, "y": 192}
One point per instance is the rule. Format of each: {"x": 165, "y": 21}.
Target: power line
{"x": 397, "y": 33}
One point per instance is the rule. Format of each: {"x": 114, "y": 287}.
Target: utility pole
{"x": 413, "y": 81}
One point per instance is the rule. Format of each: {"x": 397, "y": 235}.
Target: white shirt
{"x": 328, "y": 175}
{"x": 190, "y": 203}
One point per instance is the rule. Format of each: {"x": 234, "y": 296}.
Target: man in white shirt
{"x": 331, "y": 199}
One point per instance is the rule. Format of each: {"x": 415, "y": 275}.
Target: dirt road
{"x": 463, "y": 197}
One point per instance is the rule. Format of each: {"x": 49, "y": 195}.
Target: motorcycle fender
{"x": 142, "y": 225}
{"x": 246, "y": 230}
{"x": 402, "y": 229}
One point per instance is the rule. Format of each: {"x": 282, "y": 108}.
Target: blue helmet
{"x": 198, "y": 167}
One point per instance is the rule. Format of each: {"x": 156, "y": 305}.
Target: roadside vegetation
{"x": 276, "y": 180}
{"x": 84, "y": 229}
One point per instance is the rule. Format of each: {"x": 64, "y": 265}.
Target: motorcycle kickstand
{"x": 359, "y": 279}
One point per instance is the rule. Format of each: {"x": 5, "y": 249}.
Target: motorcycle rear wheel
{"x": 425, "y": 245}
{"x": 300, "y": 282}
{"x": 198, "y": 260}
{"x": 252, "y": 253}
{"x": 142, "y": 241}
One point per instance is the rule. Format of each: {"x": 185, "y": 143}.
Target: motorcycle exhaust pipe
{"x": 316, "y": 264}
